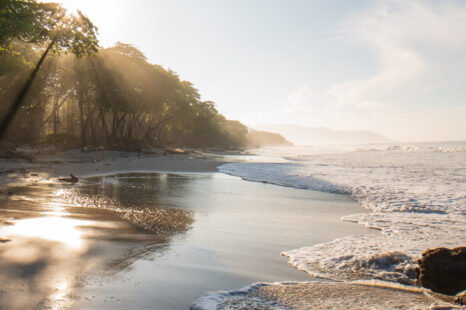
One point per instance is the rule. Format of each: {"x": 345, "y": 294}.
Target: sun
{"x": 91, "y": 8}
{"x": 71, "y": 6}
{"x": 105, "y": 14}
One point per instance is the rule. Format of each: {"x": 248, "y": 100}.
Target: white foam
{"x": 417, "y": 195}
{"x": 213, "y": 300}
{"x": 322, "y": 295}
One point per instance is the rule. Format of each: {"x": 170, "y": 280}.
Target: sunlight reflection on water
{"x": 53, "y": 228}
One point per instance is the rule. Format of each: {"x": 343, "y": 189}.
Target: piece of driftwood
{"x": 71, "y": 179}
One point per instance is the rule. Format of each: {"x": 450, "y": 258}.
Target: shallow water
{"x": 235, "y": 236}
{"x": 156, "y": 240}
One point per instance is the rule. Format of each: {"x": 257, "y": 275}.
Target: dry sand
{"x": 53, "y": 164}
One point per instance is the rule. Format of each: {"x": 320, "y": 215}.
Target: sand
{"x": 324, "y": 295}
{"x": 53, "y": 164}
{"x": 43, "y": 269}
{"x": 47, "y": 247}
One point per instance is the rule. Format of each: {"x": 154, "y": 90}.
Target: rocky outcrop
{"x": 443, "y": 270}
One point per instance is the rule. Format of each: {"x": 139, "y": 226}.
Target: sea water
{"x": 416, "y": 193}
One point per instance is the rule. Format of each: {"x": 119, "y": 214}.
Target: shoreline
{"x": 362, "y": 177}
{"x": 40, "y": 175}
{"x": 377, "y": 295}
{"x": 73, "y": 242}
{"x": 45, "y": 171}
{"x": 102, "y": 162}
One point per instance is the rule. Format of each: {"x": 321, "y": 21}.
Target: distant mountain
{"x": 257, "y": 138}
{"x": 302, "y": 135}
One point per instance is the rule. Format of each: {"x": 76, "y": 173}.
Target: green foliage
{"x": 34, "y": 22}
{"x": 27, "y": 20}
{"x": 112, "y": 97}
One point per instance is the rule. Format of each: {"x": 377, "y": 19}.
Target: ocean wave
{"x": 279, "y": 174}
{"x": 417, "y": 201}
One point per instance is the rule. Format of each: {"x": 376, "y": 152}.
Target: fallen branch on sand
{"x": 71, "y": 179}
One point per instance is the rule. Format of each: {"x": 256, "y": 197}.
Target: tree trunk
{"x": 13, "y": 109}
{"x": 104, "y": 126}
{"x": 81, "y": 115}
{"x": 55, "y": 120}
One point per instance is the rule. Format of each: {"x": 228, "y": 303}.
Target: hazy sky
{"x": 394, "y": 67}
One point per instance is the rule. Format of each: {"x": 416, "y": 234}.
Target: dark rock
{"x": 443, "y": 270}
{"x": 461, "y": 298}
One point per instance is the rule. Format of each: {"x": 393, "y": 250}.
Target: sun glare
{"x": 53, "y": 228}
{"x": 71, "y": 6}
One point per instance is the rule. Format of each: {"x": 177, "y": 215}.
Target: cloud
{"x": 300, "y": 100}
{"x": 414, "y": 89}
{"x": 419, "y": 46}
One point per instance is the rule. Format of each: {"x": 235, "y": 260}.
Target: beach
{"x": 415, "y": 193}
{"x": 150, "y": 230}
{"x": 227, "y": 155}
{"x": 168, "y": 231}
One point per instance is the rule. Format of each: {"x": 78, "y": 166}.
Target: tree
{"x": 27, "y": 20}
{"x": 40, "y": 23}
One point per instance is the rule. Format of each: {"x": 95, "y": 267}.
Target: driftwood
{"x": 71, "y": 179}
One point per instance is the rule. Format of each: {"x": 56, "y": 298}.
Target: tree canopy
{"x": 86, "y": 95}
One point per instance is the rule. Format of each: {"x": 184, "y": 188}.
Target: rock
{"x": 461, "y": 298}
{"x": 443, "y": 270}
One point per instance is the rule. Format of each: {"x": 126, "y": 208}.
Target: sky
{"x": 397, "y": 68}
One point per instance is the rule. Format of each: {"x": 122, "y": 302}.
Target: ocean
{"x": 416, "y": 194}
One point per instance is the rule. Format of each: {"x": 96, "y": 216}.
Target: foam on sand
{"x": 321, "y": 295}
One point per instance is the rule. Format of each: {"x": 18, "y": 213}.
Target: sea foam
{"x": 416, "y": 195}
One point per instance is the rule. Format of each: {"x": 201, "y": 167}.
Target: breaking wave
{"x": 417, "y": 199}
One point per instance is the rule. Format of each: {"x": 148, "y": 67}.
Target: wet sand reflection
{"x": 53, "y": 235}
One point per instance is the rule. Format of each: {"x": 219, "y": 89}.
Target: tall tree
{"x": 48, "y": 24}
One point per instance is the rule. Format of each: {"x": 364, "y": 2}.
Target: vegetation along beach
{"x": 232, "y": 154}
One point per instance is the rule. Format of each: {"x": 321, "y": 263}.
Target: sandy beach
{"x": 160, "y": 231}
{"x": 325, "y": 295}
{"x": 90, "y": 245}
{"x": 226, "y": 155}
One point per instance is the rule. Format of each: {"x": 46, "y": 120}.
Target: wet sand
{"x": 324, "y": 295}
{"x": 150, "y": 241}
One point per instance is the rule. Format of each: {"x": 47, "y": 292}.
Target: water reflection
{"x": 140, "y": 199}
{"x": 54, "y": 235}
{"x": 53, "y": 228}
